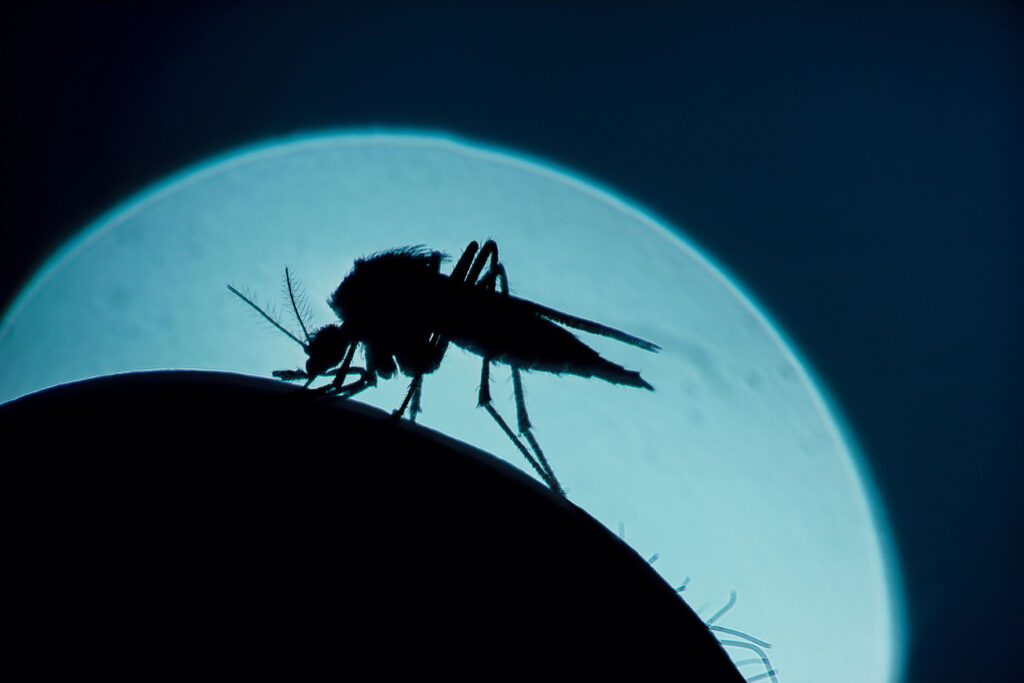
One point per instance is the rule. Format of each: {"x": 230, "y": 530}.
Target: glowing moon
{"x": 734, "y": 471}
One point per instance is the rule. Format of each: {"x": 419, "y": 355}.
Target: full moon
{"x": 734, "y": 476}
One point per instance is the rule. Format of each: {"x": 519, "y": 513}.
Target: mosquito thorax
{"x": 386, "y": 276}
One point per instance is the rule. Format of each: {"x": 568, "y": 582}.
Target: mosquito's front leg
{"x": 290, "y": 375}
{"x": 298, "y": 375}
{"x": 337, "y": 387}
{"x": 365, "y": 381}
{"x": 342, "y": 370}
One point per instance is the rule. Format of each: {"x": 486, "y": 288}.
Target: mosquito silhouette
{"x": 405, "y": 312}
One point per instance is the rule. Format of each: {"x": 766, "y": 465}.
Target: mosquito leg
{"x": 484, "y": 400}
{"x": 352, "y": 388}
{"x": 461, "y": 268}
{"x": 298, "y": 375}
{"x": 484, "y": 396}
{"x": 491, "y": 280}
{"x": 353, "y": 370}
{"x": 415, "y": 387}
{"x": 469, "y": 268}
{"x": 489, "y": 252}
{"x": 414, "y": 409}
{"x": 466, "y": 270}
{"x": 337, "y": 388}
{"x": 437, "y": 345}
{"x": 496, "y": 277}
{"x": 525, "y": 428}
{"x": 339, "y": 378}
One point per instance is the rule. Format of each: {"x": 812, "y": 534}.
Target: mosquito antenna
{"x": 295, "y": 307}
{"x": 266, "y": 315}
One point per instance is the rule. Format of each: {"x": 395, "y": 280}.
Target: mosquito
{"x": 404, "y": 312}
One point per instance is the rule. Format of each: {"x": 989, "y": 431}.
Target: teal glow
{"x": 736, "y": 471}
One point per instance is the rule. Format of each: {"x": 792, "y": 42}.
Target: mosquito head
{"x": 326, "y": 349}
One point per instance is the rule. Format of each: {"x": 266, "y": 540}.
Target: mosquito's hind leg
{"x": 484, "y": 400}
{"x": 497, "y": 278}
{"x": 468, "y": 270}
{"x": 526, "y": 429}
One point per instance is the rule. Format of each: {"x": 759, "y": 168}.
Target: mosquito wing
{"x": 585, "y": 325}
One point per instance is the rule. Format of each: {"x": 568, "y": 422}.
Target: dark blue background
{"x": 857, "y": 169}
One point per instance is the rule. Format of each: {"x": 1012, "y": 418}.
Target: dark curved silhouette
{"x": 404, "y": 312}
{"x": 209, "y": 525}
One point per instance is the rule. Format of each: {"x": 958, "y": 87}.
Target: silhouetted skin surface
{"x": 208, "y": 525}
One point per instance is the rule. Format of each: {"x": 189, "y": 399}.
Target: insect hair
{"x": 300, "y": 304}
{"x": 415, "y": 252}
{"x": 266, "y": 316}
{"x": 749, "y": 642}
